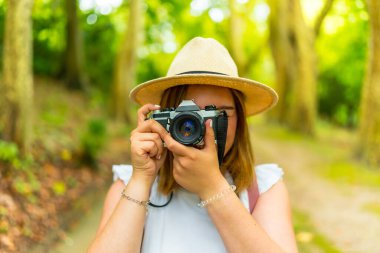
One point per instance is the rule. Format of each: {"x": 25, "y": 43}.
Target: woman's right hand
{"x": 147, "y": 149}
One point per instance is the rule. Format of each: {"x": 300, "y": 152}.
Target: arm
{"x": 269, "y": 229}
{"x": 122, "y": 223}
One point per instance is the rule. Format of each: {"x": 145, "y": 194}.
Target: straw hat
{"x": 206, "y": 61}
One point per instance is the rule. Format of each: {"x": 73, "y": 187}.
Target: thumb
{"x": 209, "y": 136}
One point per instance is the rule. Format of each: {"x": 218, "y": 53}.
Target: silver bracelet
{"x": 139, "y": 202}
{"x": 217, "y": 196}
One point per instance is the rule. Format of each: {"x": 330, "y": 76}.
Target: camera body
{"x": 186, "y": 124}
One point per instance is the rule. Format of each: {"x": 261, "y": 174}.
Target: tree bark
{"x": 321, "y": 17}
{"x": 279, "y": 25}
{"x": 74, "y": 71}
{"x": 292, "y": 44}
{"x": 125, "y": 67}
{"x": 303, "y": 106}
{"x": 17, "y": 84}
{"x": 370, "y": 103}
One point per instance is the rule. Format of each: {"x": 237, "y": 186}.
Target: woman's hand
{"x": 147, "y": 150}
{"x": 197, "y": 170}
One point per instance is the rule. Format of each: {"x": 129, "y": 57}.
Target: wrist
{"x": 142, "y": 179}
{"x": 218, "y": 185}
{"x": 138, "y": 187}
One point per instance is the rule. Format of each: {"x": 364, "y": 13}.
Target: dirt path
{"x": 335, "y": 211}
{"x": 80, "y": 237}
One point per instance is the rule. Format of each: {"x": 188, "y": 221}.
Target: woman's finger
{"x": 151, "y": 137}
{"x": 151, "y": 126}
{"x": 144, "y": 110}
{"x": 174, "y": 146}
{"x": 147, "y": 148}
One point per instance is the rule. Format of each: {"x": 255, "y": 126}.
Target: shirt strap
{"x": 253, "y": 195}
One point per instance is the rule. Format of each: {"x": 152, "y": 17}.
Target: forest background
{"x": 67, "y": 68}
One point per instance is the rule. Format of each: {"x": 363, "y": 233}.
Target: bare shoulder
{"x": 273, "y": 213}
{"x": 110, "y": 202}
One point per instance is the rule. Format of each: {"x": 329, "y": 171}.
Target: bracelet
{"x": 139, "y": 202}
{"x": 217, "y": 196}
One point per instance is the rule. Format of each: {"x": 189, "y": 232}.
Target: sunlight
{"x": 216, "y": 14}
{"x": 261, "y": 12}
{"x": 92, "y": 18}
{"x": 199, "y": 6}
{"x": 311, "y": 9}
{"x": 104, "y": 7}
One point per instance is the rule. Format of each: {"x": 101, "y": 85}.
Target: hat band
{"x": 201, "y": 72}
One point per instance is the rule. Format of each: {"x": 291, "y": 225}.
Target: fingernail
{"x": 210, "y": 123}
{"x": 158, "y": 157}
{"x": 157, "y": 105}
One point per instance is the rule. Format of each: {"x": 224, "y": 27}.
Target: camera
{"x": 186, "y": 124}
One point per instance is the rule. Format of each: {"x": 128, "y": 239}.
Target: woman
{"x": 193, "y": 206}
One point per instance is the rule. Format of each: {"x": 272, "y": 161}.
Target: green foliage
{"x": 4, "y": 226}
{"x": 342, "y": 64}
{"x": 99, "y": 48}
{"x": 26, "y": 183}
{"x": 3, "y": 211}
{"x": 26, "y": 186}
{"x": 24, "y": 180}
{"x": 93, "y": 140}
{"x": 372, "y": 207}
{"x": 59, "y": 188}
{"x": 48, "y": 37}
{"x": 71, "y": 182}
{"x": 8, "y": 152}
{"x": 350, "y": 172}
{"x": 55, "y": 115}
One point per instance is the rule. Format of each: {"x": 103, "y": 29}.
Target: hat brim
{"x": 258, "y": 97}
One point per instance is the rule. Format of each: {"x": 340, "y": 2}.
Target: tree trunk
{"x": 282, "y": 54}
{"x": 74, "y": 71}
{"x": 17, "y": 86}
{"x": 304, "y": 109}
{"x": 292, "y": 49}
{"x": 370, "y": 103}
{"x": 125, "y": 67}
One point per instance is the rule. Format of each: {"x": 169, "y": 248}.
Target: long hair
{"x": 239, "y": 160}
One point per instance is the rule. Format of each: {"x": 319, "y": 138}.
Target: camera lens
{"x": 187, "y": 128}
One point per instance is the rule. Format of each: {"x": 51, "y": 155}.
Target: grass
{"x": 351, "y": 172}
{"x": 372, "y": 207}
{"x": 308, "y": 238}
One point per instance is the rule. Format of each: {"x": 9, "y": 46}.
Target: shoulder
{"x": 267, "y": 175}
{"x": 273, "y": 213}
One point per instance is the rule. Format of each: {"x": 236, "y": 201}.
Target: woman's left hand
{"x": 197, "y": 170}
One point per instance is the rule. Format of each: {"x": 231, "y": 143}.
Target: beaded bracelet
{"x": 139, "y": 202}
{"x": 217, "y": 196}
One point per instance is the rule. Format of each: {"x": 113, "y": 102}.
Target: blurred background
{"x": 66, "y": 68}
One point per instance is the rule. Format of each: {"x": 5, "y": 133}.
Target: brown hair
{"x": 238, "y": 161}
